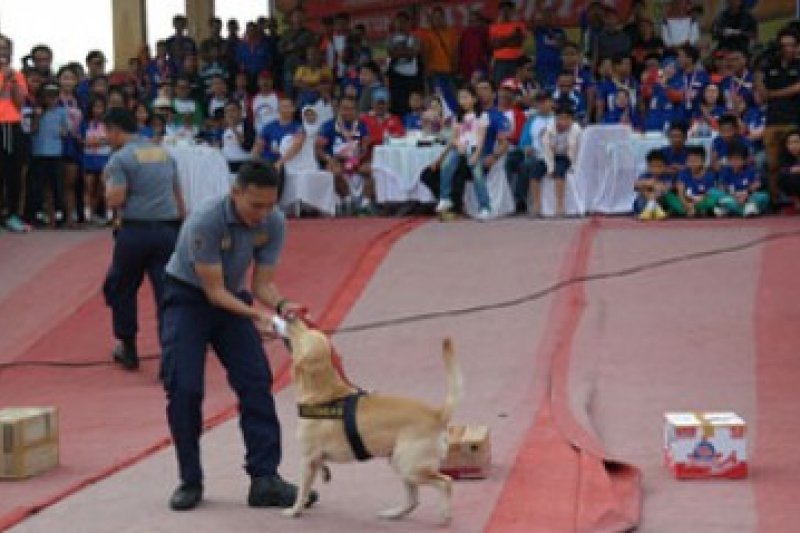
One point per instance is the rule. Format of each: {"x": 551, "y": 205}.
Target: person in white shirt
{"x": 237, "y": 137}
{"x": 680, "y": 25}
{"x": 560, "y": 145}
{"x": 531, "y": 144}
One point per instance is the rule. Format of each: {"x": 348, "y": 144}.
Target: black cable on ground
{"x": 505, "y": 304}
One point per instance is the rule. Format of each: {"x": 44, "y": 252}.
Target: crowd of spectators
{"x": 505, "y": 89}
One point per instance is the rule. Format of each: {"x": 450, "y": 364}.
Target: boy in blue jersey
{"x": 656, "y": 190}
{"x": 696, "y": 185}
{"x": 742, "y": 195}
{"x": 728, "y": 134}
{"x": 676, "y": 153}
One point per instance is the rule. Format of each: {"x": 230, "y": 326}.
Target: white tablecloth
{"x": 203, "y": 173}
{"x": 396, "y": 171}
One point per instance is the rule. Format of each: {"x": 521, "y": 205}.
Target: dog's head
{"x": 315, "y": 377}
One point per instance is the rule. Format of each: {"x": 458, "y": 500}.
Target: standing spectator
{"x": 572, "y": 61}
{"x": 50, "y": 126}
{"x": 735, "y": 28}
{"x": 293, "y": 45}
{"x": 252, "y": 54}
{"x": 30, "y": 102}
{"x": 549, "y": 40}
{"x": 179, "y": 45}
{"x": 233, "y": 40}
{"x": 13, "y": 91}
{"x": 370, "y": 78}
{"x": 777, "y": 82}
{"x": 405, "y": 76}
{"x": 645, "y": 44}
{"x": 739, "y": 81}
{"x": 188, "y": 110}
{"x": 215, "y": 40}
{"x": 159, "y": 70}
{"x": 680, "y": 27}
{"x": 219, "y": 95}
{"x": 214, "y": 66}
{"x": 191, "y": 72}
{"x": 591, "y": 27}
{"x": 707, "y": 112}
{"x": 73, "y": 151}
{"x": 439, "y": 51}
{"x": 96, "y": 151}
{"x": 473, "y": 46}
{"x": 265, "y": 102}
{"x": 507, "y": 37}
{"x": 526, "y": 83}
{"x": 42, "y": 57}
{"x": 334, "y": 52}
{"x": 308, "y": 76}
{"x": 790, "y": 168}
{"x": 613, "y": 41}
{"x": 95, "y": 66}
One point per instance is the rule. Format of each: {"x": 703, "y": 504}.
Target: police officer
{"x": 142, "y": 184}
{"x": 205, "y": 303}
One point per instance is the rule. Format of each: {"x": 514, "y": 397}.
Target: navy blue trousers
{"x": 139, "y": 249}
{"x": 191, "y": 324}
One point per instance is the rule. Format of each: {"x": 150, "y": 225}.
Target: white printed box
{"x": 701, "y": 445}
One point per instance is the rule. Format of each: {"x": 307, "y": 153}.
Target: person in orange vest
{"x": 507, "y": 36}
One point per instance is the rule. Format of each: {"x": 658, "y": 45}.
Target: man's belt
{"x": 135, "y": 223}
{"x": 340, "y": 409}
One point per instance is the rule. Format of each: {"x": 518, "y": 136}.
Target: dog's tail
{"x": 455, "y": 381}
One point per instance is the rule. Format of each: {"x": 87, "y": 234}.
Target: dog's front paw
{"x": 395, "y": 513}
{"x": 292, "y": 512}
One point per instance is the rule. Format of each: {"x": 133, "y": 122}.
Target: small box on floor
{"x": 29, "y": 441}
{"x": 701, "y": 445}
{"x": 469, "y": 452}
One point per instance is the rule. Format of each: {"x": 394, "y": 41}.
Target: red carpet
{"x": 111, "y": 418}
{"x": 562, "y": 479}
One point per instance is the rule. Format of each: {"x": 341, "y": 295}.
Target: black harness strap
{"x": 351, "y": 428}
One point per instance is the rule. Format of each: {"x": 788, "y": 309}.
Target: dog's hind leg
{"x": 445, "y": 486}
{"x": 412, "y": 500}
{"x": 308, "y": 471}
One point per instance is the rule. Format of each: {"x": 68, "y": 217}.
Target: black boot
{"x": 186, "y": 497}
{"x": 125, "y": 354}
{"x": 273, "y": 491}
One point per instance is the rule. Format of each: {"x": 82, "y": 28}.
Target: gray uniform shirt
{"x": 215, "y": 235}
{"x": 151, "y": 177}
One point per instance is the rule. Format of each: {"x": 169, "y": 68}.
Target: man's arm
{"x": 213, "y": 284}
{"x": 264, "y": 288}
{"x": 116, "y": 184}
{"x": 294, "y": 149}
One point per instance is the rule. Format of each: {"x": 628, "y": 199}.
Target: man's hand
{"x": 289, "y": 309}
{"x": 489, "y": 161}
{"x": 265, "y": 327}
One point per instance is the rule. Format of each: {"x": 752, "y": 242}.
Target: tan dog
{"x": 407, "y": 431}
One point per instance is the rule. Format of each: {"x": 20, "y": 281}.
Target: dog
{"x": 409, "y": 432}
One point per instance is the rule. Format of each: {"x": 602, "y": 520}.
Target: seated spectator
{"x": 527, "y": 84}
{"x": 729, "y": 134}
{"x": 416, "y": 107}
{"x": 218, "y": 97}
{"x": 342, "y": 147}
{"x": 735, "y": 28}
{"x": 142, "y": 114}
{"x": 697, "y": 186}
{"x": 742, "y": 194}
{"x": 309, "y": 74}
{"x": 659, "y": 111}
{"x": 158, "y": 125}
{"x": 686, "y": 86}
{"x": 433, "y": 119}
{"x": 187, "y": 109}
{"x": 370, "y": 78}
{"x": 754, "y": 120}
{"x": 515, "y": 118}
{"x": 646, "y": 43}
{"x": 469, "y": 135}
{"x": 281, "y": 139}
{"x": 238, "y": 136}
{"x": 560, "y": 144}
{"x": 676, "y": 154}
{"x": 265, "y": 102}
{"x": 739, "y": 81}
{"x": 531, "y": 145}
{"x": 613, "y": 41}
{"x": 379, "y": 122}
{"x": 566, "y": 94}
{"x": 623, "y": 112}
{"x": 325, "y": 102}
{"x": 215, "y": 66}
{"x": 572, "y": 61}
{"x": 655, "y": 190}
{"x": 621, "y": 80}
{"x": 790, "y": 168}
{"x": 680, "y": 26}
{"x": 707, "y": 113}
{"x": 240, "y": 92}
{"x": 159, "y": 70}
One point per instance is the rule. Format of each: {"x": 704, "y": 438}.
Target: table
{"x": 396, "y": 170}
{"x": 203, "y": 173}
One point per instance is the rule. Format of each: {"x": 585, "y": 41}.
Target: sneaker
{"x": 750, "y": 209}
{"x": 273, "y": 491}
{"x": 719, "y": 212}
{"x": 659, "y": 213}
{"x": 444, "y": 205}
{"x": 125, "y": 354}
{"x": 186, "y": 497}
{"x": 484, "y": 215}
{"x": 16, "y": 225}
{"x": 646, "y": 214}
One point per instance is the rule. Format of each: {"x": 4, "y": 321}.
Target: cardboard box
{"x": 469, "y": 452}
{"x": 701, "y": 445}
{"x": 28, "y": 441}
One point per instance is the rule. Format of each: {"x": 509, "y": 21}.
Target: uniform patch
{"x": 226, "y": 243}
{"x": 260, "y": 238}
{"x": 150, "y": 154}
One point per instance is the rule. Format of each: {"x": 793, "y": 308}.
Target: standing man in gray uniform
{"x": 206, "y": 304}
{"x": 142, "y": 185}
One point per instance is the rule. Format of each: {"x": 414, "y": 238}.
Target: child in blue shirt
{"x": 416, "y": 106}
{"x": 697, "y": 186}
{"x": 742, "y": 195}
{"x": 728, "y": 134}
{"x": 656, "y": 190}
{"x": 676, "y": 153}
{"x": 623, "y": 112}
{"x": 50, "y": 128}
